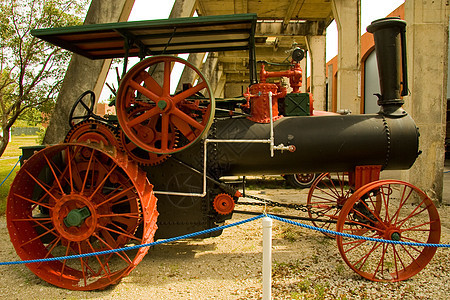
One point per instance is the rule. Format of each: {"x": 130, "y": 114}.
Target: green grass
{"x": 7, "y": 162}
{"x": 19, "y": 141}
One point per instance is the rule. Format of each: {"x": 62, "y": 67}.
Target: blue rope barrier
{"x": 10, "y": 171}
{"x": 190, "y": 235}
{"x": 186, "y": 236}
{"x": 358, "y": 237}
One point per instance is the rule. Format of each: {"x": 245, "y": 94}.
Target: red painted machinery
{"x": 96, "y": 191}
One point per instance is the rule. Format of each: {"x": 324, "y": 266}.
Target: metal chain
{"x": 265, "y": 202}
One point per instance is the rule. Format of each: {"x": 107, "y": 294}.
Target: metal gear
{"x": 223, "y": 204}
{"x": 92, "y": 131}
{"x": 151, "y": 133}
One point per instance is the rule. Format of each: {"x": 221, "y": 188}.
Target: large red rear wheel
{"x": 191, "y": 111}
{"x": 73, "y": 199}
{"x": 390, "y": 210}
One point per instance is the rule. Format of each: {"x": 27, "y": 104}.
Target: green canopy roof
{"x": 143, "y": 38}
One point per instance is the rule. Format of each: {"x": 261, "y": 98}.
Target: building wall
{"x": 369, "y": 72}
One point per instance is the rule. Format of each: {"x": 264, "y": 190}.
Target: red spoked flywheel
{"x": 147, "y": 87}
{"x": 73, "y": 199}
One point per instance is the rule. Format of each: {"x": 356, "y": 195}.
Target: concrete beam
{"x": 427, "y": 48}
{"x": 240, "y": 6}
{"x": 183, "y": 8}
{"x": 84, "y": 74}
{"x": 293, "y": 7}
{"x": 317, "y": 53}
{"x": 347, "y": 14}
{"x": 271, "y": 28}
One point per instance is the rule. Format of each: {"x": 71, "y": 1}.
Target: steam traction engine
{"x": 96, "y": 191}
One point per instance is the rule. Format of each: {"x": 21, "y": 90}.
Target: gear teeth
{"x": 223, "y": 204}
{"x": 94, "y": 132}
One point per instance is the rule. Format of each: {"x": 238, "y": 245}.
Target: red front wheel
{"x": 390, "y": 210}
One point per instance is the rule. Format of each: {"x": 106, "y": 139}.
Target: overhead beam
{"x": 301, "y": 28}
{"x": 293, "y": 7}
{"x": 240, "y": 6}
{"x": 183, "y": 8}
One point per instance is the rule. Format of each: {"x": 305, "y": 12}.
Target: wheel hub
{"x": 74, "y": 217}
{"x": 393, "y": 234}
{"x": 162, "y": 104}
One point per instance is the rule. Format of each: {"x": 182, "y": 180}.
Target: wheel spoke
{"x": 373, "y": 213}
{"x": 364, "y": 258}
{"x": 386, "y": 204}
{"x": 396, "y": 254}
{"x": 189, "y": 120}
{"x": 87, "y": 172}
{"x": 402, "y": 203}
{"x": 143, "y": 117}
{"x": 38, "y": 182}
{"x": 115, "y": 196}
{"x": 151, "y": 84}
{"x": 412, "y": 214}
{"x": 381, "y": 262}
{"x": 183, "y": 127}
{"x": 54, "y": 174}
{"x": 32, "y": 201}
{"x": 37, "y": 237}
{"x": 83, "y": 267}
{"x": 124, "y": 257}
{"x": 144, "y": 91}
{"x": 326, "y": 197}
{"x": 414, "y": 228}
{"x": 118, "y": 232}
{"x": 165, "y": 132}
{"x": 100, "y": 186}
{"x": 410, "y": 255}
{"x": 167, "y": 72}
{"x": 53, "y": 244}
{"x": 129, "y": 215}
{"x": 99, "y": 261}
{"x": 189, "y": 92}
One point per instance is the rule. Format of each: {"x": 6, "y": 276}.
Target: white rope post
{"x": 267, "y": 258}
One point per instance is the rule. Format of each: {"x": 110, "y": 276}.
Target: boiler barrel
{"x": 322, "y": 143}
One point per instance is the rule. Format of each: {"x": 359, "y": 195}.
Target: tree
{"x": 31, "y": 70}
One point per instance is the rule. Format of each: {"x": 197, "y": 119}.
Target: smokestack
{"x": 390, "y": 46}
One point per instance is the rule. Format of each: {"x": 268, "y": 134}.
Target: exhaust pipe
{"x": 390, "y": 45}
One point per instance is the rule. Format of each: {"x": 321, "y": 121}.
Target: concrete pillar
{"x": 427, "y": 48}
{"x": 317, "y": 52}
{"x": 189, "y": 75}
{"x": 303, "y": 65}
{"x": 183, "y": 8}
{"x": 85, "y": 74}
{"x": 347, "y": 14}
{"x": 213, "y": 72}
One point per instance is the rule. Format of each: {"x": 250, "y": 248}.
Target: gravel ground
{"x": 306, "y": 265}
